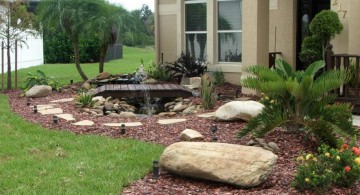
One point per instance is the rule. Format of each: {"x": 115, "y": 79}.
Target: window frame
{"x": 217, "y": 32}
{"x": 194, "y": 32}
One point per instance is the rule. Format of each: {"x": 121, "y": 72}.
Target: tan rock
{"x": 127, "y": 115}
{"x": 103, "y": 75}
{"x": 86, "y": 86}
{"x": 191, "y": 135}
{"x": 168, "y": 114}
{"x": 243, "y": 166}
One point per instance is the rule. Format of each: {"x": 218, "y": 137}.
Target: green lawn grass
{"x": 66, "y": 72}
{"x": 34, "y": 160}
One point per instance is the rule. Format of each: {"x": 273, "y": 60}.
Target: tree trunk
{"x": 77, "y": 60}
{"x": 8, "y": 46}
{"x": 103, "y": 50}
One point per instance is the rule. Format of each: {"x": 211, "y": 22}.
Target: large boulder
{"x": 38, "y": 91}
{"x": 243, "y": 166}
{"x": 238, "y": 110}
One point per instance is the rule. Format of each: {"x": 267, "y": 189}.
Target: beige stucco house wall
{"x": 267, "y": 26}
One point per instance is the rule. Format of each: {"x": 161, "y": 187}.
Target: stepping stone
{"x": 356, "y": 120}
{"x": 44, "y": 107}
{"x": 51, "y": 111}
{"x": 207, "y": 115}
{"x": 67, "y": 117}
{"x": 134, "y": 124}
{"x": 170, "y": 121}
{"x": 84, "y": 123}
{"x": 63, "y": 100}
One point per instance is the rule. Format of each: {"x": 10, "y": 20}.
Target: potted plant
{"x": 353, "y": 87}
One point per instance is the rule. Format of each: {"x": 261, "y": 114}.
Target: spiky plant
{"x": 305, "y": 101}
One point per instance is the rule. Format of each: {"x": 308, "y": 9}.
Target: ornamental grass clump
{"x": 84, "y": 100}
{"x": 207, "y": 92}
{"x": 304, "y": 103}
{"x": 339, "y": 167}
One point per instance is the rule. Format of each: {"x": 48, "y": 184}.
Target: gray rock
{"x": 190, "y": 110}
{"x": 114, "y": 115}
{"x": 167, "y": 105}
{"x": 38, "y": 91}
{"x": 243, "y": 166}
{"x": 274, "y": 147}
{"x": 180, "y": 107}
{"x": 108, "y": 106}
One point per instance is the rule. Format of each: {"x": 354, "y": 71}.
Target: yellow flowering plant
{"x": 340, "y": 167}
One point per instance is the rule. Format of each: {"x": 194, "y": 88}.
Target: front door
{"x": 307, "y": 9}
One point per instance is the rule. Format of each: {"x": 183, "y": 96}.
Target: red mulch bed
{"x": 279, "y": 182}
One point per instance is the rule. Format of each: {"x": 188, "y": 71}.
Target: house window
{"x": 229, "y": 30}
{"x": 195, "y": 28}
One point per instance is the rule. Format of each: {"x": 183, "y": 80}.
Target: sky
{"x": 134, "y": 4}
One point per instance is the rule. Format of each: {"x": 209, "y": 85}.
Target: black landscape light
{"x": 35, "y": 109}
{"x": 155, "y": 169}
{"x": 122, "y": 129}
{"x": 215, "y": 139}
{"x": 55, "y": 119}
{"x": 71, "y": 81}
{"x": 28, "y": 102}
{"x": 214, "y": 128}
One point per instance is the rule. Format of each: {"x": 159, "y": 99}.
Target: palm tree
{"x": 107, "y": 25}
{"x": 72, "y": 16}
{"x": 300, "y": 100}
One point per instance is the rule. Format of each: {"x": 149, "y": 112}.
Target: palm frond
{"x": 323, "y": 132}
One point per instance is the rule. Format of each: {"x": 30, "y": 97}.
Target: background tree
{"x": 16, "y": 25}
{"x": 107, "y": 25}
{"x": 143, "y": 34}
{"x": 72, "y": 16}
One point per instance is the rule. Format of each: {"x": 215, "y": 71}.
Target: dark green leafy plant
{"x": 311, "y": 50}
{"x": 158, "y": 72}
{"x": 84, "y": 100}
{"x": 323, "y": 28}
{"x": 186, "y": 66}
{"x": 305, "y": 101}
{"x": 39, "y": 78}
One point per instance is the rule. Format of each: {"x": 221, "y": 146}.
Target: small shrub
{"x": 304, "y": 101}
{"x": 207, "y": 91}
{"x": 340, "y": 167}
{"x": 219, "y": 77}
{"x": 158, "y": 72}
{"x": 39, "y": 78}
{"x": 186, "y": 66}
{"x": 84, "y": 100}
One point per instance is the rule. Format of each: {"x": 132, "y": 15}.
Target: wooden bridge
{"x": 140, "y": 90}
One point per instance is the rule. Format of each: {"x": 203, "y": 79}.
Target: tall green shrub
{"x": 323, "y": 28}
{"x": 58, "y": 49}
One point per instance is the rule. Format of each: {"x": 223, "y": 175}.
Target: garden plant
{"x": 339, "y": 167}
{"x": 301, "y": 102}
